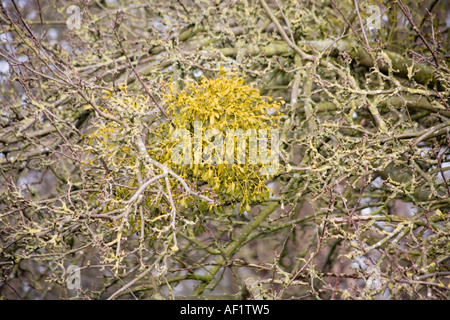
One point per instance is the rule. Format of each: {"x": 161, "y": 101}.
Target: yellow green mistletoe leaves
{"x": 224, "y": 133}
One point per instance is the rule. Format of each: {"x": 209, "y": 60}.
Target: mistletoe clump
{"x": 220, "y": 106}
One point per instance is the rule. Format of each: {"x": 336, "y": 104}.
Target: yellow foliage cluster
{"x": 224, "y": 103}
